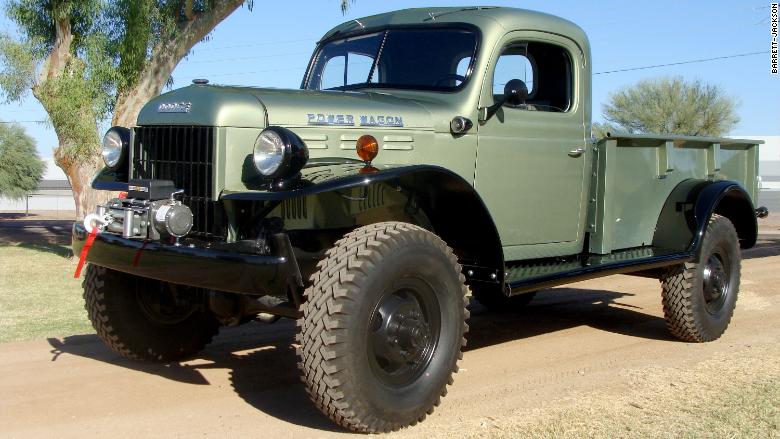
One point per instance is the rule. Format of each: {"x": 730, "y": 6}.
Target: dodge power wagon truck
{"x": 428, "y": 155}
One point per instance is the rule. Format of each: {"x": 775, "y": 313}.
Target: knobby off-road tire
{"x": 497, "y": 302}
{"x": 128, "y": 315}
{"x": 383, "y": 327}
{"x": 699, "y": 297}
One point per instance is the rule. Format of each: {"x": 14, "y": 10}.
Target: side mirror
{"x": 515, "y": 92}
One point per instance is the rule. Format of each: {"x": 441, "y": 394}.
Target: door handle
{"x": 576, "y": 152}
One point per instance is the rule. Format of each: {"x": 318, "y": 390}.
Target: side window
{"x": 463, "y": 67}
{"x": 333, "y": 73}
{"x": 355, "y": 65}
{"x": 358, "y": 68}
{"x": 546, "y": 71}
{"x": 513, "y": 66}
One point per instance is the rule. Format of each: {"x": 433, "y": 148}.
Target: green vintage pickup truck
{"x": 429, "y": 154}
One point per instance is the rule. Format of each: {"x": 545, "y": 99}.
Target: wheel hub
{"x": 410, "y": 334}
{"x": 401, "y": 339}
{"x": 716, "y": 283}
{"x": 163, "y": 303}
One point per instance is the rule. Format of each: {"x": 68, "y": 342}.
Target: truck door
{"x": 532, "y": 157}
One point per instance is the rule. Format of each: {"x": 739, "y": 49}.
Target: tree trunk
{"x": 155, "y": 73}
{"x": 80, "y": 175}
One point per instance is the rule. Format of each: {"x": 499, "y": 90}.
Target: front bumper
{"x": 194, "y": 266}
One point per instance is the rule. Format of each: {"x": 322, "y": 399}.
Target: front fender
{"x": 687, "y": 211}
{"x": 455, "y": 211}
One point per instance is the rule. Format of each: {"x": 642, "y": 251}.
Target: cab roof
{"x": 486, "y": 18}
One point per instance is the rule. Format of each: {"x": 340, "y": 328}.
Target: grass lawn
{"x": 733, "y": 396}
{"x": 38, "y": 295}
{"x": 736, "y": 394}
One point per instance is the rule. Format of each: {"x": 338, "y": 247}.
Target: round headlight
{"x": 269, "y": 153}
{"x": 114, "y": 144}
{"x": 279, "y": 153}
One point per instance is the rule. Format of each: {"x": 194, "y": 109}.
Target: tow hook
{"x": 762, "y": 212}
{"x": 101, "y": 221}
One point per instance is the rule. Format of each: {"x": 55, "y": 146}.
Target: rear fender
{"x": 687, "y": 211}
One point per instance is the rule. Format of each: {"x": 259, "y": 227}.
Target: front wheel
{"x": 699, "y": 297}
{"x": 144, "y": 319}
{"x": 383, "y": 326}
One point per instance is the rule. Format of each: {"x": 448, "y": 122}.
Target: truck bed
{"x": 633, "y": 175}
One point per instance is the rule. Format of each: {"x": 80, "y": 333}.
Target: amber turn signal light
{"x": 367, "y": 148}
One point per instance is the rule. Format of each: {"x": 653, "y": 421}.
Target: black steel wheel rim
{"x": 716, "y": 278}
{"x": 162, "y": 303}
{"x": 403, "y": 332}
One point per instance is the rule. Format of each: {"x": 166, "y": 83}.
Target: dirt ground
{"x": 570, "y": 343}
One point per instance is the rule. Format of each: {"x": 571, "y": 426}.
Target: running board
{"x": 527, "y": 276}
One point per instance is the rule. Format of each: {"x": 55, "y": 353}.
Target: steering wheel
{"x": 449, "y": 77}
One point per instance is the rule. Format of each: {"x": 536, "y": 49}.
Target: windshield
{"x": 422, "y": 59}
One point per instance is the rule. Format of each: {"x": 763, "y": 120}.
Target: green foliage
{"x": 70, "y": 102}
{"x": 36, "y": 19}
{"x": 84, "y": 93}
{"x": 134, "y": 41}
{"x": 599, "y": 130}
{"x": 18, "y": 71}
{"x": 20, "y": 167}
{"x": 671, "y": 106}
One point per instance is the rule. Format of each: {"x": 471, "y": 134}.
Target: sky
{"x": 270, "y": 46}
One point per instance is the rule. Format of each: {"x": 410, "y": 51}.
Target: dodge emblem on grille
{"x": 174, "y": 107}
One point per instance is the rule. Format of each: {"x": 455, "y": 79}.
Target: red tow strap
{"x": 84, "y": 251}
{"x": 137, "y": 258}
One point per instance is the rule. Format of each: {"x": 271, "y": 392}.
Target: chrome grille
{"x": 185, "y": 155}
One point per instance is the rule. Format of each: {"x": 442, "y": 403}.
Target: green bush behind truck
{"x": 429, "y": 152}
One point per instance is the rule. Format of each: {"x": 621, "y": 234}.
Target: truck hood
{"x": 259, "y": 107}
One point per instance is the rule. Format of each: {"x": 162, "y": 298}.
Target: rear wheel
{"x": 145, "y": 319}
{"x": 699, "y": 297}
{"x": 382, "y": 327}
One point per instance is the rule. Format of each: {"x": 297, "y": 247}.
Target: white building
{"x": 769, "y": 161}
{"x": 53, "y": 193}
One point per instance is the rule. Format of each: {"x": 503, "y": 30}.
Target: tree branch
{"x": 166, "y": 55}
{"x": 60, "y": 55}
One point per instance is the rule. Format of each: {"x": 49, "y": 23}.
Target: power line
{"x": 241, "y": 58}
{"x": 266, "y": 43}
{"x": 288, "y": 69}
{"x": 597, "y": 73}
{"x": 682, "y": 62}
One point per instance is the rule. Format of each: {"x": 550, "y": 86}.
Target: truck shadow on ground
{"x": 563, "y": 308}
{"x": 262, "y": 363}
{"x": 766, "y": 245}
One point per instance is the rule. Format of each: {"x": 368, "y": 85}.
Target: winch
{"x": 150, "y": 211}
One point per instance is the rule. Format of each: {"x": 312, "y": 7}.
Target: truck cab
{"x": 430, "y": 155}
